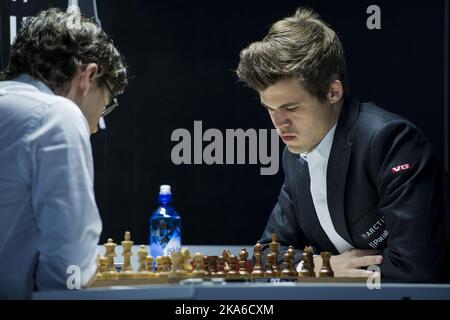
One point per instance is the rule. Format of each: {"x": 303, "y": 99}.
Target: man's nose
{"x": 280, "y": 120}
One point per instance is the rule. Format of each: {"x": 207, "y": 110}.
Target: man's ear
{"x": 86, "y": 76}
{"x": 336, "y": 92}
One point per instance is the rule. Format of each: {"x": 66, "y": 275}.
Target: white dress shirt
{"x": 317, "y": 161}
{"x": 48, "y": 216}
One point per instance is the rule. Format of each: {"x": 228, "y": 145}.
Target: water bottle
{"x": 165, "y": 226}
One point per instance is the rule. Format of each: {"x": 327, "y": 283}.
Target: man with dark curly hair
{"x": 64, "y": 74}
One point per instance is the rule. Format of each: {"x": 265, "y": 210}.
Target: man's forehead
{"x": 282, "y": 92}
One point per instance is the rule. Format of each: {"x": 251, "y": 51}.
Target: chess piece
{"x": 111, "y": 271}
{"x": 292, "y": 267}
{"x": 233, "y": 272}
{"x": 268, "y": 273}
{"x": 243, "y": 255}
{"x": 161, "y": 267}
{"x": 212, "y": 265}
{"x": 149, "y": 262}
{"x": 226, "y": 260}
{"x": 186, "y": 260}
{"x": 199, "y": 270}
{"x": 159, "y": 264}
{"x": 258, "y": 270}
{"x": 149, "y": 267}
{"x": 310, "y": 252}
{"x": 307, "y": 269}
{"x": 325, "y": 270}
{"x": 274, "y": 249}
{"x": 177, "y": 270}
{"x": 127, "y": 270}
{"x": 142, "y": 254}
{"x": 144, "y": 260}
{"x": 168, "y": 263}
{"x": 102, "y": 267}
{"x": 220, "y": 273}
{"x": 206, "y": 265}
{"x": 286, "y": 270}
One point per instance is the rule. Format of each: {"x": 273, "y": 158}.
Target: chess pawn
{"x": 243, "y": 255}
{"x": 220, "y": 273}
{"x": 233, "y": 272}
{"x": 291, "y": 251}
{"x": 159, "y": 264}
{"x": 199, "y": 270}
{"x": 142, "y": 255}
{"x": 102, "y": 267}
{"x": 268, "y": 273}
{"x": 168, "y": 263}
{"x": 127, "y": 271}
{"x": 310, "y": 252}
{"x": 286, "y": 270}
{"x": 325, "y": 270}
{"x": 111, "y": 271}
{"x": 149, "y": 267}
{"x": 292, "y": 267}
{"x": 212, "y": 265}
{"x": 206, "y": 265}
{"x": 161, "y": 267}
{"x": 274, "y": 249}
{"x": 258, "y": 270}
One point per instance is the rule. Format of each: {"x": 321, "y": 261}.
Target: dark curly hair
{"x": 54, "y": 44}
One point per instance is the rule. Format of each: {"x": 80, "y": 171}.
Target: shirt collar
{"x": 41, "y": 86}
{"x": 323, "y": 149}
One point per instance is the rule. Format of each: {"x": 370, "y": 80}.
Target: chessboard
{"x": 181, "y": 266}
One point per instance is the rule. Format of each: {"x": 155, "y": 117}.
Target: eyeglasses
{"x": 112, "y": 104}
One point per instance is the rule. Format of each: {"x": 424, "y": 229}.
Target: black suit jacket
{"x": 386, "y": 190}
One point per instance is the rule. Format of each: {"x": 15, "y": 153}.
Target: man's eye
{"x": 292, "y": 108}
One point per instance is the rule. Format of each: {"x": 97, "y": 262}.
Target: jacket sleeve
{"x": 410, "y": 182}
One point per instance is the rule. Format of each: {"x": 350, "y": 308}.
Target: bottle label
{"x": 165, "y": 237}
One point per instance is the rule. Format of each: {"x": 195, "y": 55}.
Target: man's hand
{"x": 352, "y": 263}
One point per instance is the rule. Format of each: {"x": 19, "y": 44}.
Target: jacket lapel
{"x": 307, "y": 214}
{"x": 338, "y": 163}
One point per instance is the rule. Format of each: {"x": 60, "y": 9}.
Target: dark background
{"x": 181, "y": 57}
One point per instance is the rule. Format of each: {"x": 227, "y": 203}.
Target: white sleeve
{"x": 63, "y": 196}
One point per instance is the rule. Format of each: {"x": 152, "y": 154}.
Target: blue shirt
{"x": 49, "y": 220}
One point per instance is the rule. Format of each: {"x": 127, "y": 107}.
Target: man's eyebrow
{"x": 286, "y": 105}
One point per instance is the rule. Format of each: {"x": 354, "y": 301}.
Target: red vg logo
{"x": 401, "y": 167}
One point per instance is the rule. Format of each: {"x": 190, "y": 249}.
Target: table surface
{"x": 223, "y": 290}
{"x": 257, "y": 291}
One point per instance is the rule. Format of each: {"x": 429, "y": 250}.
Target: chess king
{"x": 63, "y": 74}
{"x": 360, "y": 181}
